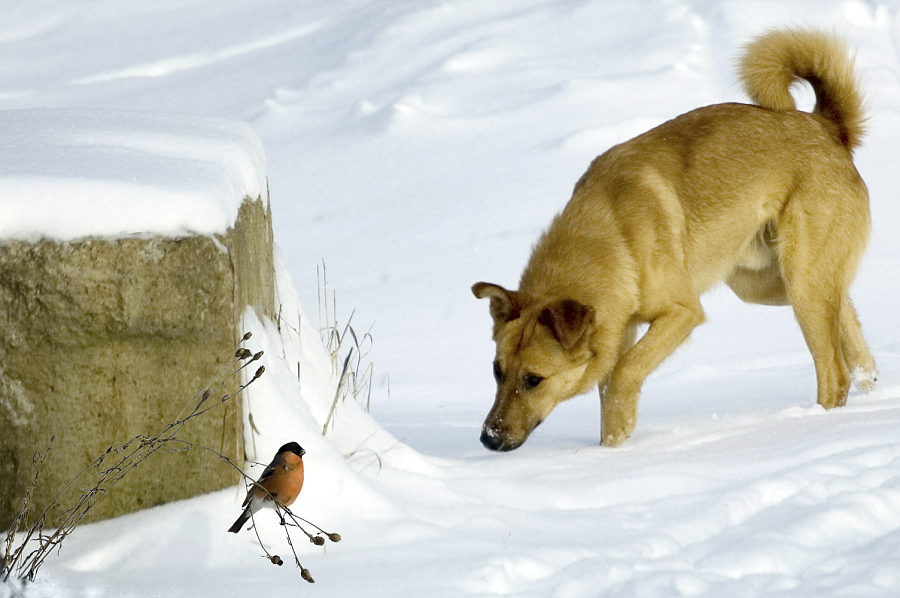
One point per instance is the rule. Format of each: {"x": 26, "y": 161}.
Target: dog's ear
{"x": 568, "y": 321}
{"x": 503, "y": 303}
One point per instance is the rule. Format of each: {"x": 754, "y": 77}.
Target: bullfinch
{"x": 280, "y": 482}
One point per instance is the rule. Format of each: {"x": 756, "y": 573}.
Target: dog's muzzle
{"x": 492, "y": 439}
{"x": 495, "y": 440}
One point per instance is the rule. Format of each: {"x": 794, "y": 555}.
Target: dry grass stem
{"x": 290, "y": 520}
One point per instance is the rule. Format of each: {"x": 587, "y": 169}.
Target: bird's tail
{"x": 774, "y": 60}
{"x": 239, "y": 524}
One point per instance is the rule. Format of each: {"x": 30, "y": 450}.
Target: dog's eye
{"x": 498, "y": 373}
{"x": 531, "y": 381}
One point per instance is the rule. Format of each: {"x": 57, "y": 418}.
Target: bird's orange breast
{"x": 286, "y": 482}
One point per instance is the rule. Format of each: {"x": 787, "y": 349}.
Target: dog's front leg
{"x": 619, "y": 396}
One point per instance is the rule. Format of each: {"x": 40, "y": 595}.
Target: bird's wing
{"x": 266, "y": 474}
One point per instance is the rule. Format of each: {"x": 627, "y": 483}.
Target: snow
{"x": 416, "y": 148}
{"x": 113, "y": 173}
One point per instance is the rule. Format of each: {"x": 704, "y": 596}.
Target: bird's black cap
{"x": 292, "y": 447}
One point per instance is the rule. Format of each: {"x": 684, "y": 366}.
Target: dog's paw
{"x": 613, "y": 435}
{"x": 864, "y": 379}
{"x": 611, "y": 440}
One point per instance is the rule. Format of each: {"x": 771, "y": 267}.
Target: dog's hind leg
{"x": 819, "y": 317}
{"x": 767, "y": 287}
{"x": 817, "y": 270}
{"x": 856, "y": 352}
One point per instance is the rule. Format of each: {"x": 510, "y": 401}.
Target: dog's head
{"x": 543, "y": 351}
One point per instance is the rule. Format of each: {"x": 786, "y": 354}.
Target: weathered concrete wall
{"x": 102, "y": 340}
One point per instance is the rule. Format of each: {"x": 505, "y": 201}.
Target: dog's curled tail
{"x": 772, "y": 61}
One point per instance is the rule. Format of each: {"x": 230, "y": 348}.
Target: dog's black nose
{"x": 491, "y": 439}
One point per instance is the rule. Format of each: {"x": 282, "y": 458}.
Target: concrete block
{"x": 105, "y": 339}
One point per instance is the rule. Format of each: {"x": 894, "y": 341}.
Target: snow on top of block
{"x": 71, "y": 173}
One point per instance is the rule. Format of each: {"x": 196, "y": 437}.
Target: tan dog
{"x": 764, "y": 197}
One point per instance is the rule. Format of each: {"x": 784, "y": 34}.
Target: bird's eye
{"x": 498, "y": 373}
{"x": 531, "y": 381}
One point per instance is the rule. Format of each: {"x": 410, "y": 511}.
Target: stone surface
{"x": 103, "y": 340}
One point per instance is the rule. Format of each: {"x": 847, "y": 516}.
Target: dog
{"x": 761, "y": 196}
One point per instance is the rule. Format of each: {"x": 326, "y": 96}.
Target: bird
{"x": 279, "y": 483}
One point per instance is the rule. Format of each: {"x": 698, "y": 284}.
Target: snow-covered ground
{"x": 418, "y": 147}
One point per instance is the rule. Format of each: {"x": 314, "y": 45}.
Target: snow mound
{"x": 112, "y": 173}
